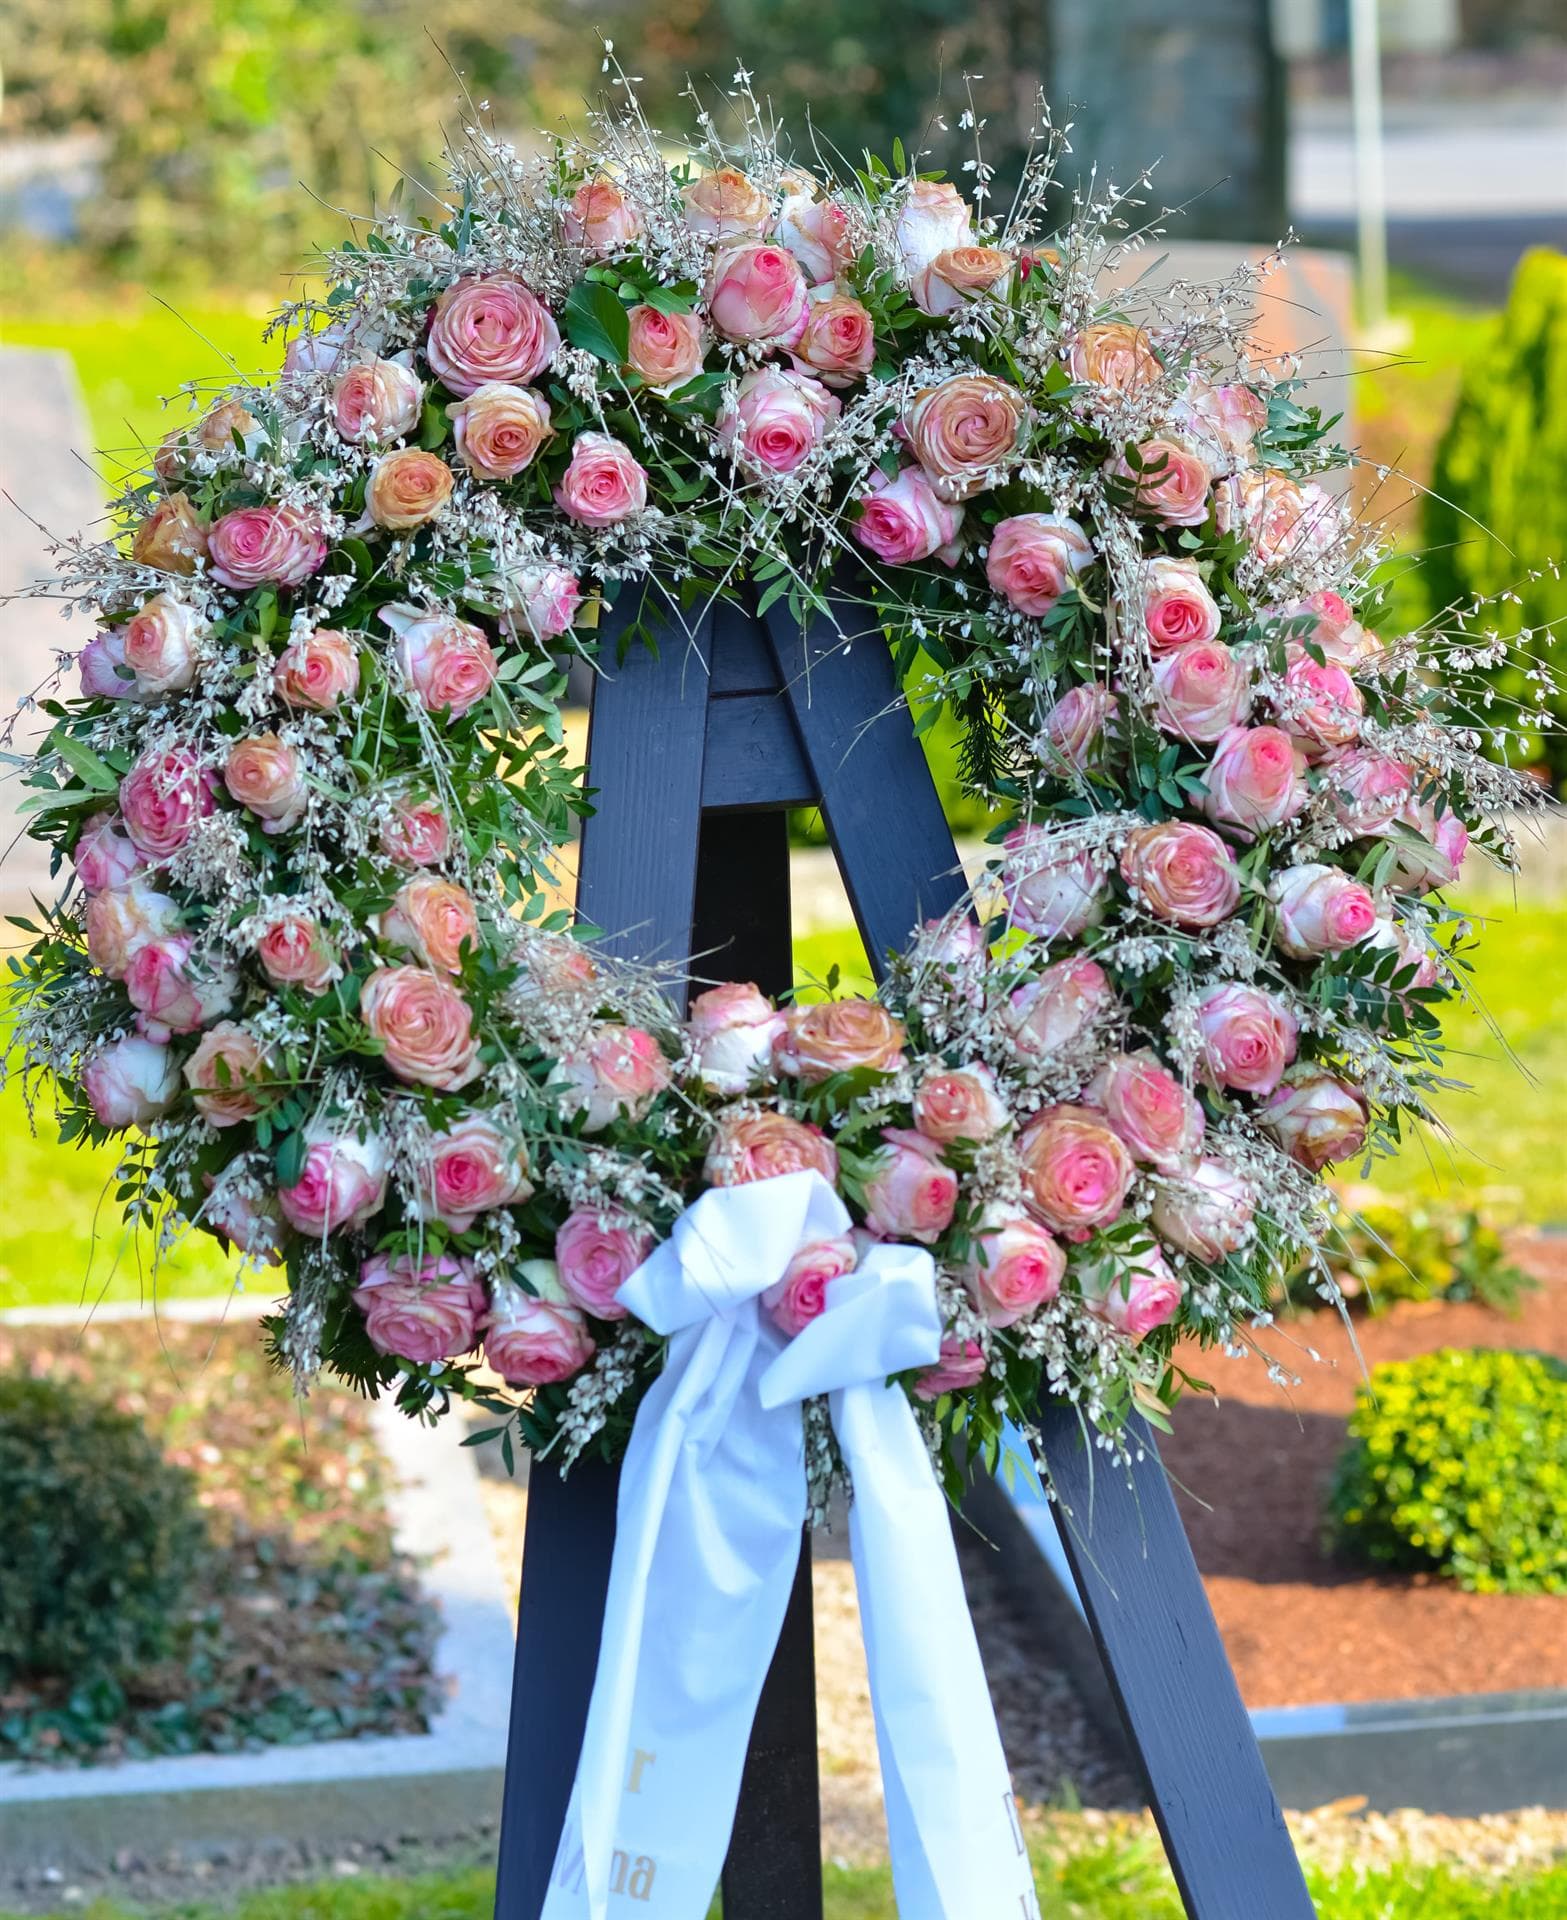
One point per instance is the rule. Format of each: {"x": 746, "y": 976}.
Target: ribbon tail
{"x": 956, "y": 1843}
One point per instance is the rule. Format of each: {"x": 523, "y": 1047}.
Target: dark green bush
{"x": 1457, "y": 1464}
{"x": 100, "y": 1537}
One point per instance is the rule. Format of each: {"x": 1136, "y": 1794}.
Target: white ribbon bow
{"x": 712, "y": 1500}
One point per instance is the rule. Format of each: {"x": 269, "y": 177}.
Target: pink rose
{"x": 1201, "y": 691}
{"x": 420, "y": 1310}
{"x": 1073, "y": 726}
{"x": 318, "y": 352}
{"x": 162, "y": 797}
{"x": 486, "y": 329}
{"x": 960, "y": 275}
{"x": 1396, "y": 936}
{"x": 1076, "y": 1170}
{"x": 1182, "y": 873}
{"x": 171, "y": 992}
{"x": 1050, "y": 893}
{"x": 265, "y": 547}
{"x": 1161, "y": 1123}
{"x": 417, "y": 835}
{"x": 342, "y": 1183}
{"x": 596, "y": 1253}
{"x": 733, "y": 1031}
{"x": 778, "y": 419}
{"x": 130, "y": 1082}
{"x": 1228, "y": 418}
{"x": 1249, "y": 1037}
{"x": 223, "y": 1073}
{"x": 535, "y": 1341}
{"x": 377, "y": 400}
{"x": 1435, "y": 863}
{"x": 101, "y": 666}
{"x": 294, "y": 952}
{"x": 619, "y": 1071}
{"x": 964, "y": 432}
{"x": 105, "y": 855}
{"x": 793, "y": 1302}
{"x": 473, "y": 1168}
{"x": 1115, "y": 356}
{"x": 1207, "y": 1213}
{"x": 160, "y": 644}
{"x": 242, "y": 1221}
{"x": 120, "y": 921}
{"x": 1013, "y": 1266}
{"x": 1135, "y": 1298}
{"x": 816, "y": 232}
{"x": 756, "y": 292}
{"x": 449, "y": 663}
{"x": 1328, "y": 622}
{"x": 666, "y": 349}
{"x": 955, "y": 942}
{"x": 839, "y": 1036}
{"x": 902, "y": 521}
{"x": 1316, "y": 1117}
{"x": 1178, "y": 609}
{"x": 543, "y": 599}
{"x": 759, "y": 1146}
{"x": 266, "y": 777}
{"x": 318, "y": 671}
{"x": 1369, "y": 790}
{"x": 910, "y": 1194}
{"x": 1320, "y": 910}
{"x": 434, "y": 918}
{"x": 961, "y": 1366}
{"x": 499, "y": 429}
{"x": 838, "y": 343}
{"x": 424, "y": 1025}
{"x": 960, "y": 1103}
{"x": 933, "y": 217}
{"x": 600, "y": 218}
{"x": 1048, "y": 1014}
{"x": 1034, "y": 558}
{"x": 724, "y": 204}
{"x": 1255, "y": 781}
{"x": 603, "y": 484}
{"x": 1283, "y": 521}
{"x": 1320, "y": 705}
{"x": 1170, "y": 483}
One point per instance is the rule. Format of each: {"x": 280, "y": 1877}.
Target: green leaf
{"x": 432, "y": 426}
{"x": 596, "y": 322}
{"x": 85, "y": 764}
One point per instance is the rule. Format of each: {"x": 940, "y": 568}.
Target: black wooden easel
{"x": 696, "y": 753}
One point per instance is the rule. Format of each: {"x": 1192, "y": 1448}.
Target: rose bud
{"x": 1320, "y": 910}
{"x": 1249, "y": 1038}
{"x": 600, "y": 219}
{"x": 171, "y": 538}
{"x": 665, "y": 349}
{"x": 933, "y": 218}
{"x": 1435, "y": 863}
{"x": 294, "y": 952}
{"x": 733, "y": 1030}
{"x": 105, "y": 856}
{"x": 1013, "y": 1267}
{"x": 1116, "y": 356}
{"x": 1136, "y": 1298}
{"x": 1397, "y": 937}
{"x": 1255, "y": 781}
{"x": 1076, "y": 1170}
{"x": 420, "y": 1310}
{"x": 243, "y": 1222}
{"x": 433, "y": 918}
{"x": 1178, "y": 609}
{"x": 838, "y": 1036}
{"x": 171, "y": 992}
{"x": 960, "y": 275}
{"x": 838, "y": 344}
{"x": 793, "y": 1302}
{"x": 816, "y": 232}
{"x": 1201, "y": 691}
{"x": 214, "y": 434}
{"x": 222, "y": 1073}
{"x": 1050, "y": 893}
{"x": 499, "y": 429}
{"x": 377, "y": 400}
{"x": 756, "y": 293}
{"x": 963, "y": 431}
{"x": 960, "y": 1103}
{"x": 777, "y": 419}
{"x": 1048, "y": 1014}
{"x": 759, "y": 1146}
{"x": 448, "y": 663}
{"x": 1207, "y": 1213}
{"x": 120, "y": 921}
{"x": 162, "y": 797}
{"x": 160, "y": 644}
{"x": 417, "y": 835}
{"x": 425, "y": 1027}
{"x": 265, "y": 547}
{"x": 533, "y": 1341}
{"x": 266, "y": 777}
{"x": 408, "y": 489}
{"x": 1073, "y": 726}
{"x": 619, "y": 1072}
{"x": 130, "y": 1082}
{"x": 342, "y": 1183}
{"x": 320, "y": 352}
{"x": 1369, "y": 790}
{"x": 910, "y": 1194}
{"x": 1182, "y": 873}
{"x": 317, "y": 671}
{"x": 1160, "y": 1122}
{"x": 596, "y": 1254}
{"x": 902, "y": 521}
{"x": 488, "y": 329}
{"x": 541, "y": 601}
{"x": 725, "y": 204}
{"x": 953, "y": 942}
{"x": 603, "y": 485}
{"x": 101, "y": 665}
{"x": 1034, "y": 558}
{"x": 1317, "y": 1118}
{"x": 473, "y": 1168}
{"x": 961, "y": 1366}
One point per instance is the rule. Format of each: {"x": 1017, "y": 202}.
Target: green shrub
{"x": 1414, "y": 1250}
{"x": 101, "y": 1537}
{"x": 1457, "y": 1464}
{"x": 1497, "y": 510}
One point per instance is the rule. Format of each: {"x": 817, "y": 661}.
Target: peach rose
{"x": 318, "y": 670}
{"x": 1135, "y": 1298}
{"x": 1255, "y": 781}
{"x": 960, "y": 1103}
{"x": 120, "y": 921}
{"x": 756, "y": 292}
{"x": 1178, "y": 610}
{"x": 171, "y": 538}
{"x": 1076, "y": 1170}
{"x": 171, "y": 991}
{"x": 793, "y": 1302}
{"x": 903, "y": 521}
{"x": 600, "y": 219}
{"x": 420, "y": 1310}
{"x": 265, "y": 546}
{"x": 473, "y": 1168}
{"x": 839, "y": 1036}
{"x": 544, "y": 599}
{"x": 1369, "y": 790}
{"x": 964, "y": 431}
{"x": 1013, "y": 1267}
{"x": 666, "y": 349}
{"x": 1170, "y": 483}
{"x": 1035, "y": 557}
{"x": 618, "y": 1072}
{"x": 130, "y": 1082}
{"x": 377, "y": 400}
{"x": 417, "y": 835}
{"x": 424, "y": 1026}
{"x": 603, "y": 485}
{"x": 1207, "y": 1213}
{"x": 910, "y": 1193}
{"x": 1182, "y": 873}
{"x": 1115, "y": 355}
{"x": 1161, "y": 1123}
{"x": 294, "y": 952}
{"x": 1073, "y": 726}
{"x": 1201, "y": 691}
{"x": 533, "y": 1341}
{"x": 489, "y": 328}
{"x": 160, "y": 644}
{"x": 214, "y": 434}
{"x": 758, "y": 1146}
{"x": 725, "y": 203}
{"x": 105, "y": 856}
{"x": 961, "y": 1366}
{"x": 266, "y": 778}
{"x": 1320, "y": 704}
{"x": 1046, "y": 1015}
{"x": 1050, "y": 893}
{"x": 433, "y": 918}
{"x": 777, "y": 419}
{"x": 733, "y": 1030}
{"x": 499, "y": 429}
{"x": 958, "y": 275}
{"x": 1316, "y": 1117}
{"x": 839, "y": 341}
{"x": 449, "y": 663}
{"x": 1320, "y": 910}
{"x": 933, "y": 219}
{"x": 596, "y": 1254}
{"x": 162, "y": 797}
{"x": 101, "y": 665}
{"x": 222, "y": 1074}
{"x": 1248, "y": 1038}
{"x": 407, "y": 489}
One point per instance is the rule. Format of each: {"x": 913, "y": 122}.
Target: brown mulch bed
{"x": 1251, "y": 1475}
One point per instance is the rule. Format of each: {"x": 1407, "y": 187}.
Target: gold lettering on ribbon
{"x": 641, "y": 1887}
{"x": 640, "y": 1758}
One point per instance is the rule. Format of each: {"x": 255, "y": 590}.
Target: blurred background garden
{"x": 165, "y": 168}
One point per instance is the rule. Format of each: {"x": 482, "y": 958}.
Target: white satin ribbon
{"x": 712, "y": 1501}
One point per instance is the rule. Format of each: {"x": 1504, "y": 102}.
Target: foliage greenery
{"x": 1417, "y": 1249}
{"x": 1457, "y": 1464}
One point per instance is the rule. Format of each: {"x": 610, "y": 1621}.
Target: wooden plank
{"x": 1227, "y": 1843}
{"x": 754, "y": 758}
